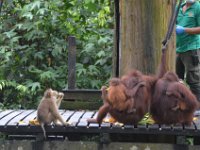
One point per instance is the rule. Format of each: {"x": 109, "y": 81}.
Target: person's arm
{"x": 195, "y": 30}
{"x": 181, "y": 30}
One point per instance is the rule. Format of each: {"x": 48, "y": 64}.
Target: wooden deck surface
{"x": 16, "y": 122}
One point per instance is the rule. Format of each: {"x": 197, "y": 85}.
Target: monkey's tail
{"x": 44, "y": 131}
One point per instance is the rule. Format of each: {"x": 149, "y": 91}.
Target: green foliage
{"x": 33, "y": 46}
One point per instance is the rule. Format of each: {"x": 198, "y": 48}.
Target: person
{"x": 188, "y": 45}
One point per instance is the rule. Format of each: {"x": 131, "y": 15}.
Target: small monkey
{"x": 47, "y": 111}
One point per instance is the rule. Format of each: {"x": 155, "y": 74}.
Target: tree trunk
{"x": 143, "y": 25}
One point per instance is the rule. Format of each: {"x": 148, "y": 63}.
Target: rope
{"x": 171, "y": 25}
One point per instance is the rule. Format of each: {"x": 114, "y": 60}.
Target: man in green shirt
{"x": 188, "y": 45}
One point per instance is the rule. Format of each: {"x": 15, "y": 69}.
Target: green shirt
{"x": 190, "y": 18}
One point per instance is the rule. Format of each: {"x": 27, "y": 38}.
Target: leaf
{"x": 35, "y": 5}
{"x": 41, "y": 11}
{"x": 22, "y": 88}
{"x": 34, "y": 86}
{"x": 101, "y": 54}
{"x": 10, "y": 33}
{"x": 28, "y": 15}
{"x": 93, "y": 68}
{"x": 91, "y": 6}
{"x": 47, "y": 75}
{"x": 19, "y": 25}
{"x": 39, "y": 55}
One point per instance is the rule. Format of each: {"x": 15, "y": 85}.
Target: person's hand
{"x": 180, "y": 30}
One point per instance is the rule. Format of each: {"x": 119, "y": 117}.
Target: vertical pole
{"x": 117, "y": 37}
{"x": 72, "y": 62}
{"x": 1, "y": 5}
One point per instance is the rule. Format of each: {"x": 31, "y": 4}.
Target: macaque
{"x": 173, "y": 102}
{"x": 47, "y": 111}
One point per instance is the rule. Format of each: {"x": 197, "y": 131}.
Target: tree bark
{"x": 143, "y": 25}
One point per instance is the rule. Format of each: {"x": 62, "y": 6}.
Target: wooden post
{"x": 143, "y": 25}
{"x": 117, "y": 41}
{"x": 72, "y": 62}
{"x": 1, "y": 5}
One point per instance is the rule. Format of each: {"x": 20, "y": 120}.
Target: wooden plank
{"x": 178, "y": 128}
{"x": 83, "y": 121}
{"x": 67, "y": 114}
{"x": 153, "y": 127}
{"x": 80, "y": 104}
{"x": 142, "y": 127}
{"x": 15, "y": 121}
{"x": 165, "y": 127}
{"x": 105, "y": 125}
{"x": 197, "y": 113}
{"x": 4, "y": 113}
{"x": 92, "y": 125}
{"x": 82, "y": 94}
{"x": 129, "y": 127}
{"x": 73, "y": 121}
{"x": 26, "y": 120}
{"x": 197, "y": 124}
{"x": 118, "y": 125}
{"x": 6, "y": 119}
{"x": 189, "y": 127}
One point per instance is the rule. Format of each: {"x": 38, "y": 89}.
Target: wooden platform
{"x": 16, "y": 122}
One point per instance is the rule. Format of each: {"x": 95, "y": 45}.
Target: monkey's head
{"x": 170, "y": 76}
{"x": 47, "y": 93}
{"x": 131, "y": 79}
{"x": 135, "y": 73}
{"x": 114, "y": 82}
{"x": 55, "y": 94}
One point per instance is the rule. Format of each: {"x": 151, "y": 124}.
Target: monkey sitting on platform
{"x": 47, "y": 111}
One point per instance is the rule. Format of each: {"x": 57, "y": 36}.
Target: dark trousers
{"x": 188, "y": 68}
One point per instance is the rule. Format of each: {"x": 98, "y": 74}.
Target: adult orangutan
{"x": 127, "y": 99}
{"x": 172, "y": 101}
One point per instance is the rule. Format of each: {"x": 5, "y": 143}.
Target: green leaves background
{"x": 33, "y": 47}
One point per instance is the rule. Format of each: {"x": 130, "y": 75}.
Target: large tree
{"x": 143, "y": 25}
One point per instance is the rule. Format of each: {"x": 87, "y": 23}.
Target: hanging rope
{"x": 171, "y": 24}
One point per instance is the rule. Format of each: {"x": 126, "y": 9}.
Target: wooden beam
{"x": 72, "y": 62}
